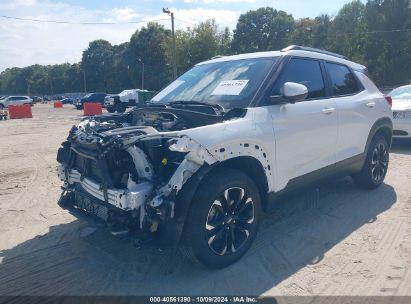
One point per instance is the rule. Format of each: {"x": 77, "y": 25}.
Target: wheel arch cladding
{"x": 386, "y": 133}
{"x": 382, "y": 126}
{"x": 251, "y": 167}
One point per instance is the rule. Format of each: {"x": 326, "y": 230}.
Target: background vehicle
{"x": 36, "y": 99}
{"x": 126, "y": 98}
{"x": 15, "y": 100}
{"x": 67, "y": 100}
{"x": 199, "y": 163}
{"x": 92, "y": 97}
{"x": 401, "y": 107}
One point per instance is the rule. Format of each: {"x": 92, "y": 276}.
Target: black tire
{"x": 111, "y": 109}
{"x": 211, "y": 229}
{"x": 79, "y": 107}
{"x": 376, "y": 164}
{"x": 120, "y": 107}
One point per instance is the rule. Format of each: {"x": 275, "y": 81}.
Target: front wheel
{"x": 223, "y": 219}
{"x": 376, "y": 164}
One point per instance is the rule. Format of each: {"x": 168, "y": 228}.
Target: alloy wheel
{"x": 229, "y": 221}
{"x": 379, "y": 162}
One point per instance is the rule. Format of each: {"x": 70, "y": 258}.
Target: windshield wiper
{"x": 193, "y": 102}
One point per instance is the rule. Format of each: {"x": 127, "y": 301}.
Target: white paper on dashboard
{"x": 230, "y": 87}
{"x": 171, "y": 87}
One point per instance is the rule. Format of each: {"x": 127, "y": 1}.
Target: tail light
{"x": 389, "y": 100}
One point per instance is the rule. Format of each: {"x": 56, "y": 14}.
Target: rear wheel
{"x": 223, "y": 219}
{"x": 376, "y": 164}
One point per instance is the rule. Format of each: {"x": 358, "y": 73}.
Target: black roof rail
{"x": 216, "y": 57}
{"x": 310, "y": 49}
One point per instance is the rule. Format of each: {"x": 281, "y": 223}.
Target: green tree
{"x": 148, "y": 44}
{"x": 262, "y": 30}
{"x": 303, "y": 32}
{"x": 347, "y": 34}
{"x": 388, "y": 43}
{"x": 197, "y": 44}
{"x": 97, "y": 62}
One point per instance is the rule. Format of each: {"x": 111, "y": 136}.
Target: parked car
{"x": 67, "y": 100}
{"x": 15, "y": 100}
{"x": 36, "y": 99}
{"x": 199, "y": 163}
{"x": 401, "y": 107}
{"x": 126, "y": 98}
{"x": 92, "y": 97}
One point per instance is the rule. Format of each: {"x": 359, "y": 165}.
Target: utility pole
{"x": 167, "y": 11}
{"x": 142, "y": 73}
{"x": 84, "y": 81}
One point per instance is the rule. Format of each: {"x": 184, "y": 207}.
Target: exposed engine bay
{"x": 129, "y": 168}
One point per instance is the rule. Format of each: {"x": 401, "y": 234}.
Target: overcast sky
{"x": 23, "y": 43}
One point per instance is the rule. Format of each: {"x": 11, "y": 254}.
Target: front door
{"x": 306, "y": 131}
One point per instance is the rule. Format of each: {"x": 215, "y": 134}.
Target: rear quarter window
{"x": 343, "y": 81}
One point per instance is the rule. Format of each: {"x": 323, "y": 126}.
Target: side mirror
{"x": 291, "y": 92}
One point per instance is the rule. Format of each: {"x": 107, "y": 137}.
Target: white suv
{"x": 15, "y": 100}
{"x": 199, "y": 163}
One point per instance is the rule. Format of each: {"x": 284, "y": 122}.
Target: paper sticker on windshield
{"x": 230, "y": 87}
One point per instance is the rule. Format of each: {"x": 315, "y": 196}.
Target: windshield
{"x": 231, "y": 84}
{"x": 401, "y": 93}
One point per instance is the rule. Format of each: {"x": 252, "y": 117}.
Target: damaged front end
{"x": 129, "y": 176}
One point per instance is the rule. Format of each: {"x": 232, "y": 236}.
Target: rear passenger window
{"x": 343, "y": 81}
{"x": 303, "y": 71}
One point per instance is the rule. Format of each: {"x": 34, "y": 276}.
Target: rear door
{"x": 305, "y": 132}
{"x": 356, "y": 110}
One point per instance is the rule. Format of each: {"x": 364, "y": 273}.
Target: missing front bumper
{"x": 125, "y": 199}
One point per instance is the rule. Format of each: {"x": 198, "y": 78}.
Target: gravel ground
{"x": 335, "y": 240}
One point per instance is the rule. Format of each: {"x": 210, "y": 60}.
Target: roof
{"x": 303, "y": 52}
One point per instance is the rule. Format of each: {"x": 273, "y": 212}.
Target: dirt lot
{"x": 336, "y": 240}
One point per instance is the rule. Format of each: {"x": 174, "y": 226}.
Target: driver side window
{"x": 303, "y": 71}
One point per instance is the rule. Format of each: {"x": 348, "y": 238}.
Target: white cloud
{"x": 220, "y": 1}
{"x": 25, "y": 43}
{"x": 124, "y": 14}
{"x": 17, "y": 3}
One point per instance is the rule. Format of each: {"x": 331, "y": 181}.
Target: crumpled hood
{"x": 401, "y": 104}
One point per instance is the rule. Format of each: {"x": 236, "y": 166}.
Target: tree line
{"x": 376, "y": 34}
